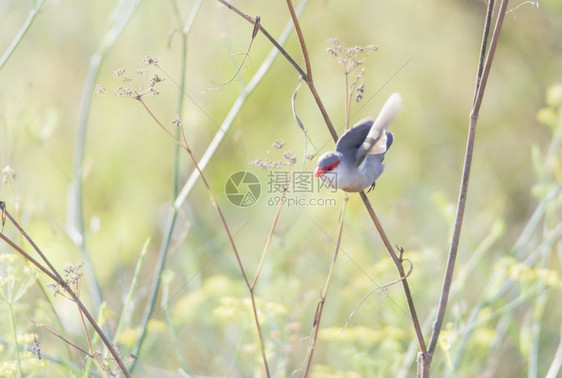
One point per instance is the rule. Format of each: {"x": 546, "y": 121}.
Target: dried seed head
{"x": 155, "y": 79}
{"x": 125, "y": 92}
{"x": 118, "y": 72}
{"x": 8, "y": 173}
{"x": 290, "y": 158}
{"x": 99, "y": 89}
{"x": 36, "y": 349}
{"x": 278, "y": 144}
{"x": 350, "y": 57}
{"x": 149, "y": 61}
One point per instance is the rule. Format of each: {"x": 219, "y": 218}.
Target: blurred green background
{"x": 504, "y": 315}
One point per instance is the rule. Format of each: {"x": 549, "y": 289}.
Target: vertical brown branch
{"x": 485, "y": 36}
{"x": 301, "y": 40}
{"x": 480, "y": 88}
{"x": 308, "y": 76}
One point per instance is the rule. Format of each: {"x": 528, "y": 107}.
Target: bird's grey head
{"x": 328, "y": 163}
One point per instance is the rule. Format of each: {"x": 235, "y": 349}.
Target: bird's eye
{"x": 329, "y": 168}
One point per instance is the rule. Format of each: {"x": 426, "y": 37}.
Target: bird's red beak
{"x": 318, "y": 172}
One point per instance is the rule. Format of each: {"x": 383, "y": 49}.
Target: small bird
{"x": 357, "y": 161}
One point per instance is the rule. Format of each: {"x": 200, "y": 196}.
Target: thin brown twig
{"x": 186, "y": 147}
{"x": 86, "y": 330}
{"x": 58, "y": 335}
{"x": 308, "y": 77}
{"x": 255, "y": 21}
{"x": 301, "y": 72}
{"x": 485, "y": 35}
{"x": 322, "y": 301}
{"x": 301, "y": 39}
{"x": 395, "y": 259}
{"x": 381, "y": 288}
{"x": 28, "y": 257}
{"x": 334, "y": 135}
{"x": 398, "y": 263}
{"x": 246, "y": 55}
{"x": 480, "y": 88}
{"x": 269, "y": 237}
{"x": 53, "y": 274}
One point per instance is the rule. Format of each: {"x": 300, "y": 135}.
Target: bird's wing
{"x": 375, "y": 141}
{"x": 352, "y": 139}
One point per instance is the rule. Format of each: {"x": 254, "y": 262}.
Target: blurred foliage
{"x": 504, "y": 313}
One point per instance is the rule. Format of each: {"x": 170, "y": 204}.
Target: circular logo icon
{"x": 242, "y": 189}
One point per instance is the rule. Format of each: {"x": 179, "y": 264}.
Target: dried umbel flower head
{"x": 72, "y": 275}
{"x": 99, "y": 89}
{"x": 150, "y": 61}
{"x": 278, "y": 144}
{"x": 126, "y": 92}
{"x": 177, "y": 121}
{"x": 290, "y": 158}
{"x": 118, "y": 72}
{"x": 141, "y": 90}
{"x": 154, "y": 80}
{"x": 7, "y": 174}
{"x": 349, "y": 58}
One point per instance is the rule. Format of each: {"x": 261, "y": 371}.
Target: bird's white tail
{"x": 375, "y": 143}
{"x": 388, "y": 111}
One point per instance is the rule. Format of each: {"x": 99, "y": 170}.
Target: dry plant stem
{"x": 301, "y": 39}
{"x": 306, "y": 76}
{"x": 255, "y": 21}
{"x": 485, "y": 35}
{"x": 347, "y": 101}
{"x": 230, "y": 238}
{"x": 398, "y": 263}
{"x": 173, "y": 212}
{"x": 57, "y": 277}
{"x": 27, "y": 257}
{"x": 205, "y": 159}
{"x": 480, "y": 88}
{"x": 56, "y": 334}
{"x": 269, "y": 237}
{"x": 334, "y": 135}
{"x": 53, "y": 274}
{"x": 322, "y": 301}
{"x": 86, "y": 330}
{"x": 185, "y": 146}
